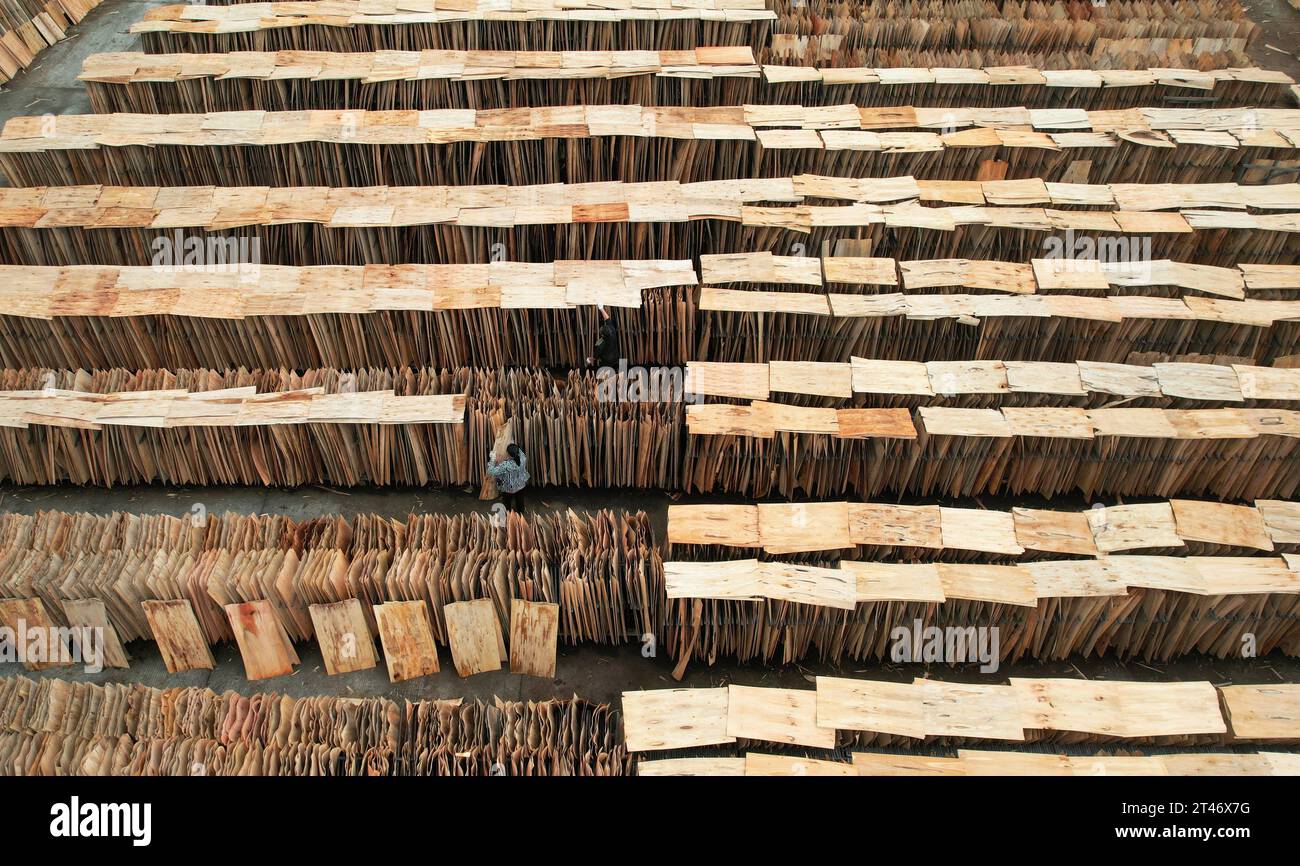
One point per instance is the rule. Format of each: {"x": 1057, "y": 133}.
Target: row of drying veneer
{"x": 351, "y": 25}
{"x": 783, "y": 528}
{"x": 204, "y": 94}
{"x": 839, "y": 13}
{"x": 107, "y": 206}
{"x": 756, "y": 326}
{"x": 121, "y": 68}
{"x": 245, "y": 406}
{"x": 449, "y": 225}
{"x": 391, "y": 79}
{"x": 236, "y": 290}
{"x": 1224, "y": 607}
{"x": 227, "y": 407}
{"x": 985, "y": 24}
{"x": 338, "y": 12}
{"x": 1098, "y": 272}
{"x": 56, "y": 727}
{"x": 753, "y": 449}
{"x": 163, "y": 578}
{"x": 998, "y": 213}
{"x": 781, "y": 319}
{"x": 766, "y": 448}
{"x": 1153, "y": 609}
{"x": 777, "y": 528}
{"x": 1021, "y": 584}
{"x": 865, "y": 9}
{"x": 822, "y": 52}
{"x": 1218, "y": 11}
{"x": 395, "y": 225}
{"x": 764, "y": 420}
{"x": 878, "y": 712}
{"x": 513, "y": 313}
{"x": 868, "y": 381}
{"x": 975, "y": 762}
{"x": 556, "y": 535}
{"x": 284, "y": 447}
{"x": 774, "y": 126}
{"x": 345, "y": 631}
{"x": 295, "y": 80}
{"x": 634, "y": 144}
{"x": 1123, "y": 35}
{"x": 28, "y": 754}
{"x": 849, "y": 27}
{"x": 191, "y": 328}
{"x": 596, "y": 578}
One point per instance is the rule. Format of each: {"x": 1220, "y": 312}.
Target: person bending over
{"x": 511, "y": 475}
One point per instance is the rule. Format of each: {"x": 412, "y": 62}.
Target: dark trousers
{"x": 513, "y": 501}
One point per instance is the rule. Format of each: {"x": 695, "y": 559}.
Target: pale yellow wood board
{"x": 177, "y": 633}
{"x": 534, "y": 630}
{"x": 407, "y": 638}
{"x": 90, "y": 613}
{"x": 346, "y": 643}
{"x": 870, "y": 705}
{"x": 776, "y": 715}
{"x": 675, "y": 718}
{"x": 474, "y": 634}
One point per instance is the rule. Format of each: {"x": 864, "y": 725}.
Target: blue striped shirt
{"x": 511, "y": 476}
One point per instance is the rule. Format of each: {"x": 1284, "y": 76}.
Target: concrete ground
{"x": 1279, "y": 44}
{"x": 597, "y": 673}
{"x": 50, "y": 84}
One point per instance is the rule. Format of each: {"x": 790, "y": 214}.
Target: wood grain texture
{"x": 407, "y": 639}
{"x": 675, "y": 718}
{"x": 1263, "y": 712}
{"x": 474, "y": 634}
{"x": 879, "y": 764}
{"x": 346, "y": 642}
{"x": 180, "y": 640}
{"x": 986, "y": 712}
{"x": 263, "y": 643}
{"x": 1120, "y": 709}
{"x": 870, "y": 705}
{"x": 24, "y": 614}
{"x": 90, "y": 613}
{"x": 692, "y": 767}
{"x": 804, "y": 526}
{"x": 761, "y": 764}
{"x": 776, "y": 715}
{"x": 1221, "y": 523}
{"x": 731, "y": 525}
{"x": 534, "y": 629}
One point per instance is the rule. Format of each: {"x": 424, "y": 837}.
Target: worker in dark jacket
{"x": 511, "y": 475}
{"x": 608, "y": 351}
